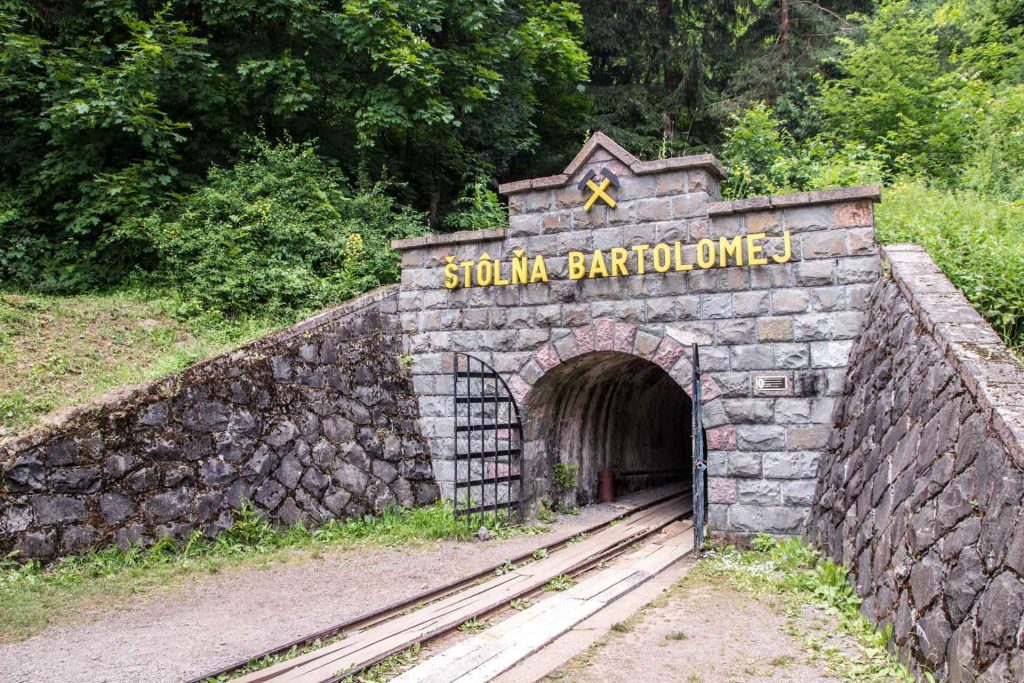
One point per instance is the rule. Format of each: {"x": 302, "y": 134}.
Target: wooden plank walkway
{"x": 368, "y": 646}
{"x": 485, "y": 656}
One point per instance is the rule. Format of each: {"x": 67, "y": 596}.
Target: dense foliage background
{"x": 237, "y": 159}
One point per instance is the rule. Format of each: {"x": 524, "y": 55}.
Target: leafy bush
{"x": 764, "y": 158}
{"x": 477, "y": 207}
{"x": 996, "y": 166}
{"x": 977, "y": 241}
{"x": 278, "y": 230}
{"x": 22, "y": 250}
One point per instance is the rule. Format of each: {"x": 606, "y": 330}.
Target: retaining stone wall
{"x": 920, "y": 492}
{"x": 315, "y": 422}
{"x": 798, "y": 319}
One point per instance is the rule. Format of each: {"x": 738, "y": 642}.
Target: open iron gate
{"x": 700, "y": 453}
{"x": 488, "y": 443}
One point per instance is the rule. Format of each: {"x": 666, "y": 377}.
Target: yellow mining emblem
{"x": 607, "y": 178}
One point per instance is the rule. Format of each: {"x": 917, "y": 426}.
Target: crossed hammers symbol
{"x": 607, "y": 178}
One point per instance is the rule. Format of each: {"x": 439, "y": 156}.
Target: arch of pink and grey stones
{"x": 605, "y": 334}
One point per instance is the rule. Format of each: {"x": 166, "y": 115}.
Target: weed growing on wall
{"x": 31, "y": 594}
{"x": 566, "y": 476}
{"x": 794, "y": 573}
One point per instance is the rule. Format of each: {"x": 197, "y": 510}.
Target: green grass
{"x": 60, "y": 351}
{"x": 977, "y": 241}
{"x": 474, "y": 626}
{"x": 32, "y": 596}
{"x": 562, "y": 582}
{"x": 798, "y": 577}
{"x": 387, "y": 669}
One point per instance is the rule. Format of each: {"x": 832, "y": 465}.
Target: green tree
{"x": 914, "y": 83}
{"x": 656, "y": 69}
{"x": 780, "y": 54}
{"x": 109, "y": 108}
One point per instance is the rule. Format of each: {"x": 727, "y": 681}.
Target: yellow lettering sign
{"x": 597, "y": 265}
{"x": 754, "y": 249}
{"x": 451, "y": 273}
{"x": 540, "y": 271}
{"x": 787, "y": 252}
{"x": 618, "y": 256}
{"x": 727, "y": 248}
{"x": 662, "y": 255}
{"x": 577, "y": 269}
{"x": 520, "y": 268}
{"x": 706, "y": 253}
{"x": 488, "y": 271}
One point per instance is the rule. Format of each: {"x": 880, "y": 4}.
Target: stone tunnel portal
{"x": 608, "y": 409}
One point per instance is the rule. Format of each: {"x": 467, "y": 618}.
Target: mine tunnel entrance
{"x": 607, "y": 410}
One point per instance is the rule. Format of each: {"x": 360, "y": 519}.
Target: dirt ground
{"x": 205, "y": 622}
{"x": 697, "y": 633}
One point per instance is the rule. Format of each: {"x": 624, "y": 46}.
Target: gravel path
{"x": 209, "y": 621}
{"x": 703, "y": 633}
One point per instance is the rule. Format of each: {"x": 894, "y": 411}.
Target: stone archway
{"x": 608, "y": 395}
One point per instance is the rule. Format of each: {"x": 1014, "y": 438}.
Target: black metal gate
{"x": 700, "y": 453}
{"x": 488, "y": 443}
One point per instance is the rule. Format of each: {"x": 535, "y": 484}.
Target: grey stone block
{"x": 744, "y": 464}
{"x": 798, "y": 493}
{"x": 791, "y": 465}
{"x": 166, "y": 507}
{"x": 751, "y": 357}
{"x": 758, "y": 492}
{"x": 815, "y": 273}
{"x": 761, "y": 437}
{"x": 832, "y": 354}
{"x": 51, "y": 510}
{"x": 756, "y": 303}
{"x": 749, "y": 410}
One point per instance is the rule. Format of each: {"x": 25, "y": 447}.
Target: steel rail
{"x": 581, "y": 567}
{"x": 434, "y": 594}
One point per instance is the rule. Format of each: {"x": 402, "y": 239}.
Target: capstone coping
{"x": 599, "y": 139}
{"x": 993, "y": 375}
{"x": 872, "y": 193}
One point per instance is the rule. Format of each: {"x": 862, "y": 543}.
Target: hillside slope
{"x": 57, "y": 352}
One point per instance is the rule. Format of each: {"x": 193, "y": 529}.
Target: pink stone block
{"x": 546, "y": 357}
{"x": 519, "y": 388}
{"x": 722, "y": 438}
{"x": 709, "y": 390}
{"x": 669, "y": 351}
{"x": 624, "y": 334}
{"x": 721, "y": 490}
{"x": 584, "y": 339}
{"x": 604, "y": 334}
{"x": 854, "y": 215}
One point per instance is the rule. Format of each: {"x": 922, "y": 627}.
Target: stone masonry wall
{"x": 920, "y": 492}
{"x": 315, "y": 422}
{"x": 797, "y": 319}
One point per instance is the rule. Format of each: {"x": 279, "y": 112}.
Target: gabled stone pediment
{"x": 600, "y": 151}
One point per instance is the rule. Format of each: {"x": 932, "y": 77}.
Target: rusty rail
{"x": 396, "y": 609}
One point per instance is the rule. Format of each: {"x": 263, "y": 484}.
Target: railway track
{"x": 358, "y": 644}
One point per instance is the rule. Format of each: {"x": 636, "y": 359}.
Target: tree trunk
{"x": 784, "y": 31}
{"x": 670, "y": 75}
